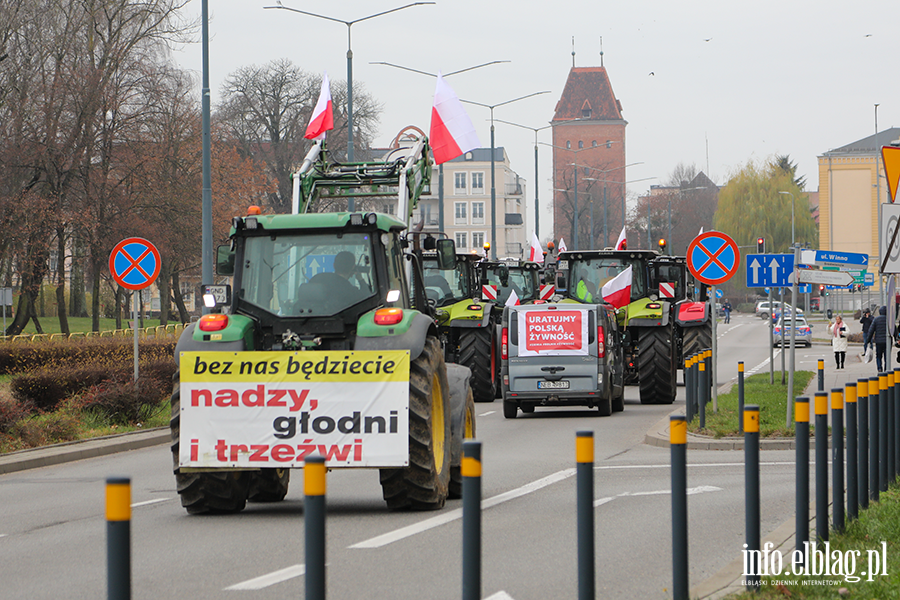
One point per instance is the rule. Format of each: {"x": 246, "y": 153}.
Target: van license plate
{"x": 553, "y": 385}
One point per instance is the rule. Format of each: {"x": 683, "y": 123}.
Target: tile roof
{"x": 588, "y": 89}
{"x": 867, "y": 144}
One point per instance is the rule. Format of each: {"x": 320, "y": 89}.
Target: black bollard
{"x": 884, "y": 382}
{"x": 471, "y": 546}
{"x": 821, "y": 408}
{"x": 801, "y": 510}
{"x": 314, "y": 525}
{"x": 740, "y": 395}
{"x": 852, "y": 452}
{"x": 688, "y": 389}
{"x": 118, "y": 538}
{"x": 874, "y": 386}
{"x": 862, "y": 401}
{"x": 821, "y": 375}
{"x": 751, "y": 493}
{"x": 704, "y": 393}
{"x": 678, "y": 448}
{"x": 837, "y": 459}
{"x": 889, "y": 426}
{"x": 584, "y": 473}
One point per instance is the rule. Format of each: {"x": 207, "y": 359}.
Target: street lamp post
{"x": 792, "y": 218}
{"x": 349, "y": 63}
{"x": 537, "y": 218}
{"x": 491, "y": 107}
{"x": 441, "y": 166}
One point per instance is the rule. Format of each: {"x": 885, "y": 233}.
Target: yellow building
{"x": 851, "y": 188}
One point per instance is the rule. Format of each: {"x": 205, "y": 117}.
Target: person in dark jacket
{"x": 878, "y": 335}
{"x": 866, "y": 322}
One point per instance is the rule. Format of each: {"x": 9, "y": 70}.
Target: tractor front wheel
{"x": 477, "y": 352}
{"x": 657, "y": 368}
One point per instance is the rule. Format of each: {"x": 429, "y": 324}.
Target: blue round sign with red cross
{"x": 134, "y": 263}
{"x": 713, "y": 257}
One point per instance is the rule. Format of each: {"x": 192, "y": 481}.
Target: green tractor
{"x": 324, "y": 343}
{"x": 661, "y": 323}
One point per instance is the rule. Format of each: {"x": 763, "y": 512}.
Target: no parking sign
{"x": 134, "y": 263}
{"x": 713, "y": 257}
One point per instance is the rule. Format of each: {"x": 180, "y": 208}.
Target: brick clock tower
{"x": 588, "y": 161}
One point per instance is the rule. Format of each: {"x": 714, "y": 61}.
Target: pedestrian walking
{"x": 839, "y": 341}
{"x": 866, "y": 322}
{"x": 727, "y": 308}
{"x": 878, "y": 336}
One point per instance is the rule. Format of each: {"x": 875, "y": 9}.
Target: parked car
{"x": 764, "y": 311}
{"x": 803, "y": 333}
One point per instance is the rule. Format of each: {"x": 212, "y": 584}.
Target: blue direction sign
{"x": 831, "y": 258}
{"x": 804, "y": 288}
{"x": 134, "y": 263}
{"x": 713, "y": 257}
{"x": 765, "y": 270}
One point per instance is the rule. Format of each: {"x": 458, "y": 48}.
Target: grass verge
{"x": 879, "y": 523}
{"x": 772, "y": 401}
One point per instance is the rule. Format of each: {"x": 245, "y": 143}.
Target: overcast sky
{"x": 730, "y": 81}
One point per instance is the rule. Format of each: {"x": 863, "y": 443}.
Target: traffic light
{"x": 821, "y": 289}
{"x": 760, "y": 245}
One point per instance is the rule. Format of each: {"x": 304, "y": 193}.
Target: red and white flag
{"x": 622, "y": 242}
{"x": 452, "y": 132}
{"x": 562, "y": 245}
{"x": 537, "y": 253}
{"x": 701, "y": 231}
{"x": 617, "y": 291}
{"x": 323, "y": 116}
{"x": 513, "y": 299}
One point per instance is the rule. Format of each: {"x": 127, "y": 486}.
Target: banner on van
{"x": 553, "y": 332}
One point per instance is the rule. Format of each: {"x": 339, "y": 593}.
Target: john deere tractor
{"x": 661, "y": 321}
{"x": 324, "y": 343}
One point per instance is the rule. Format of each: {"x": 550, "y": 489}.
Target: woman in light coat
{"x": 839, "y": 335}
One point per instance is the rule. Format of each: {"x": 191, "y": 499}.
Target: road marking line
{"x": 602, "y": 501}
{"x": 690, "y": 491}
{"x": 668, "y": 466}
{"x": 264, "y": 581}
{"x": 453, "y": 515}
{"x": 501, "y": 595}
{"x": 490, "y": 412}
{"x": 2, "y": 535}
{"x": 148, "y": 502}
{"x": 764, "y": 363}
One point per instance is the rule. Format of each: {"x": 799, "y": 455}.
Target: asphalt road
{"x": 53, "y": 544}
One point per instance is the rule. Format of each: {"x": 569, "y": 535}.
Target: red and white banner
{"x": 273, "y": 409}
{"x": 322, "y": 119}
{"x": 617, "y": 291}
{"x": 489, "y": 292}
{"x": 452, "y": 132}
{"x": 666, "y": 290}
{"x": 546, "y": 291}
{"x": 562, "y": 245}
{"x": 553, "y": 332}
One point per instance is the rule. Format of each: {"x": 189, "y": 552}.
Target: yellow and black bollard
{"x": 852, "y": 452}
{"x": 688, "y": 399}
{"x": 740, "y": 395}
{"x": 821, "y": 375}
{"x": 704, "y": 393}
{"x": 821, "y": 408}
{"x": 584, "y": 473}
{"x": 314, "y": 526}
{"x": 751, "y": 494}
{"x": 862, "y": 402}
{"x": 118, "y": 538}
{"x": 874, "y": 387}
{"x": 889, "y": 426}
{"x": 801, "y": 510}
{"x": 837, "y": 459}
{"x": 471, "y": 520}
{"x": 885, "y": 381}
{"x": 678, "y": 447}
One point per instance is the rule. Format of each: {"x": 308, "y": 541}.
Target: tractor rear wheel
{"x": 269, "y": 485}
{"x": 424, "y": 484}
{"x": 477, "y": 352}
{"x": 468, "y": 433}
{"x": 214, "y": 492}
{"x": 657, "y": 368}
{"x": 696, "y": 339}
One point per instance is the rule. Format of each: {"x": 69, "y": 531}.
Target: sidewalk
{"x": 728, "y": 580}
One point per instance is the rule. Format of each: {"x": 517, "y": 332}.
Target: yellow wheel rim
{"x": 469, "y": 431}
{"x": 437, "y": 423}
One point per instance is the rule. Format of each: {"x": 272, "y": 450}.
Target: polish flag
{"x": 701, "y": 231}
{"x": 513, "y": 299}
{"x": 562, "y": 245}
{"x": 537, "y": 253}
{"x": 323, "y": 116}
{"x": 622, "y": 242}
{"x": 452, "y": 132}
{"x": 617, "y": 291}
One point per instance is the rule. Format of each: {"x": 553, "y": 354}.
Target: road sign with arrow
{"x": 769, "y": 270}
{"x": 839, "y": 278}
